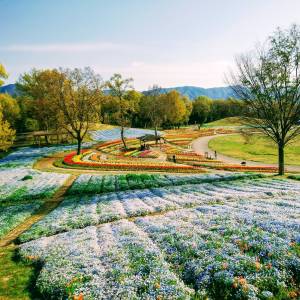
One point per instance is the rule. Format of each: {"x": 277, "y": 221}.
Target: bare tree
{"x": 118, "y": 87}
{"x": 78, "y": 99}
{"x": 268, "y": 81}
{"x": 151, "y": 108}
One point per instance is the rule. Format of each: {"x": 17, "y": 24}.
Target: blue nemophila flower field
{"x": 115, "y": 133}
{"x": 225, "y": 239}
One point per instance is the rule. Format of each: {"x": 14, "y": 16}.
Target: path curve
{"x": 200, "y": 146}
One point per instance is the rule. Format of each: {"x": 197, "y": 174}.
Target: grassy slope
{"x": 231, "y": 121}
{"x": 16, "y": 277}
{"x": 260, "y": 149}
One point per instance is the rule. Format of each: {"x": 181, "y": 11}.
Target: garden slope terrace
{"x": 44, "y": 210}
{"x": 47, "y": 164}
{"x": 200, "y": 146}
{"x": 245, "y": 233}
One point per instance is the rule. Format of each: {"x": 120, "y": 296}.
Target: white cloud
{"x": 71, "y": 47}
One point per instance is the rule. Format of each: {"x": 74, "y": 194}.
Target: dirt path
{"x": 200, "y": 146}
{"x": 45, "y": 208}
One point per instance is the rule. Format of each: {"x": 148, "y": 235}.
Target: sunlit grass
{"x": 260, "y": 149}
{"x": 16, "y": 277}
{"x": 230, "y": 121}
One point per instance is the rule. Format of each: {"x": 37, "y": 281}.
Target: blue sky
{"x": 165, "y": 42}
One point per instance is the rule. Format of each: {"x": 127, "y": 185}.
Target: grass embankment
{"x": 260, "y": 149}
{"x": 230, "y": 121}
{"x": 17, "y": 278}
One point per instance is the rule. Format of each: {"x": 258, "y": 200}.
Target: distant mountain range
{"x": 193, "y": 92}
{"x": 9, "y": 89}
{"x": 190, "y": 91}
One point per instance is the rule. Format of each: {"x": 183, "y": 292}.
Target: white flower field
{"x": 154, "y": 236}
{"x": 186, "y": 241}
{"x": 23, "y": 189}
{"x": 114, "y": 134}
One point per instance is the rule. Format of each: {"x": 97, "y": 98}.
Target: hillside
{"x": 190, "y": 91}
{"x": 10, "y": 89}
{"x": 193, "y": 92}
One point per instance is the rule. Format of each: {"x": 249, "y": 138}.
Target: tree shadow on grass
{"x": 18, "y": 277}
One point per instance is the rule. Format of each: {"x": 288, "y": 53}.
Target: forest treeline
{"x": 35, "y": 107}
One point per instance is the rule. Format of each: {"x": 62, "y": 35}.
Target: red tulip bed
{"x": 94, "y": 162}
{"x": 184, "y": 137}
{"x": 116, "y": 148}
{"x": 191, "y": 157}
{"x": 221, "y": 166}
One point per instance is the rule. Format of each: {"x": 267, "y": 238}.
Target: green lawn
{"x": 230, "y": 121}
{"x": 260, "y": 149}
{"x": 16, "y": 277}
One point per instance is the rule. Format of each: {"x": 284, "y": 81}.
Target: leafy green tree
{"x": 77, "y": 101}
{"x": 39, "y": 88}
{"x": 268, "y": 80}
{"x": 10, "y": 109}
{"x": 201, "y": 110}
{"x": 173, "y": 108}
{"x": 3, "y": 74}
{"x": 189, "y": 107}
{"x": 7, "y": 134}
{"x": 151, "y": 108}
{"x": 119, "y": 88}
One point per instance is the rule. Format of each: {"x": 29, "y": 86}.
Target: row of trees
{"x": 267, "y": 80}
{"x": 73, "y": 100}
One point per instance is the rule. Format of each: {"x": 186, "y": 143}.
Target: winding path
{"x": 200, "y": 146}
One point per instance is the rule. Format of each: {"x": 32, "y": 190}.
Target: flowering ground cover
{"x": 184, "y": 137}
{"x": 12, "y": 215}
{"x": 81, "y": 209}
{"x": 20, "y": 184}
{"x": 223, "y": 240}
{"x": 116, "y": 148}
{"x": 115, "y": 133}
{"x": 97, "y": 184}
{"x": 90, "y": 159}
{"x": 219, "y": 165}
{"x": 25, "y": 157}
{"x": 23, "y": 189}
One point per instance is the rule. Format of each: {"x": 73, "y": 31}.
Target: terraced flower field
{"x": 22, "y": 189}
{"x": 180, "y": 237}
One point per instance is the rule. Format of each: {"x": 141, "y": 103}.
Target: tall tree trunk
{"x": 79, "y": 141}
{"x": 280, "y": 159}
{"x": 122, "y": 137}
{"x": 155, "y": 132}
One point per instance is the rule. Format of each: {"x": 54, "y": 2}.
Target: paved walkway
{"x": 200, "y": 146}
